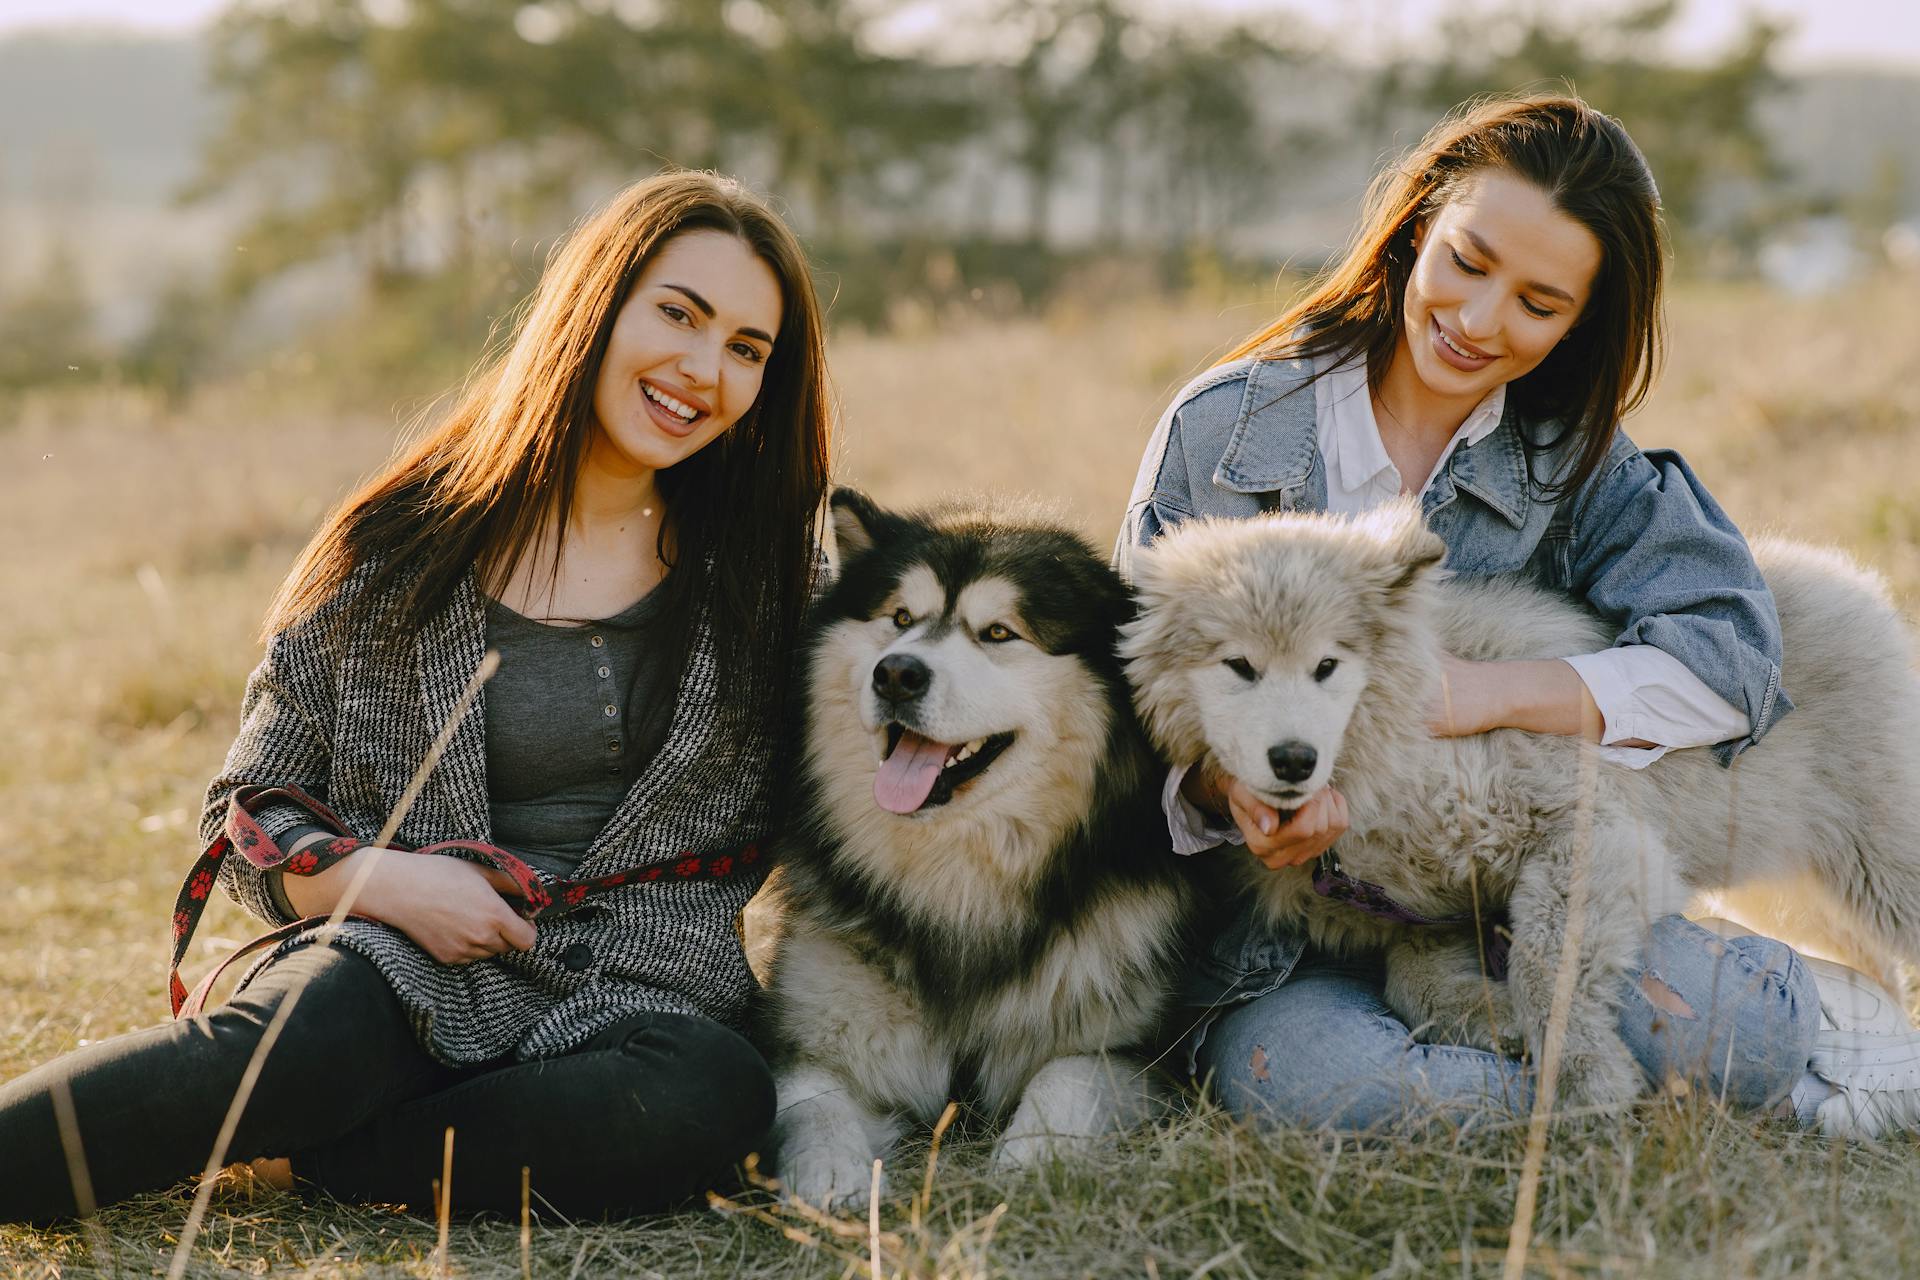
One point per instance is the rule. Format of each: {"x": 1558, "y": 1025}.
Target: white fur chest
{"x": 1092, "y": 990}
{"x": 1453, "y": 822}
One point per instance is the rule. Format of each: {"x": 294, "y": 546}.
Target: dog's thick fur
{"x": 1008, "y": 944}
{"x": 1825, "y": 802}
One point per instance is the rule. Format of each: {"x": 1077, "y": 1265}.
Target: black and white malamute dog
{"x": 977, "y": 900}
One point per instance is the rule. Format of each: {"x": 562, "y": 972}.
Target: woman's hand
{"x": 1304, "y": 836}
{"x": 453, "y": 909}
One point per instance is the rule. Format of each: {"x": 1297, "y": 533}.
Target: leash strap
{"x": 539, "y": 898}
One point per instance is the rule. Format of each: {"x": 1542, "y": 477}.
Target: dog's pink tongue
{"x": 906, "y": 776}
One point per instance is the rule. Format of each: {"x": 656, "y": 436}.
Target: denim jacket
{"x": 1642, "y": 543}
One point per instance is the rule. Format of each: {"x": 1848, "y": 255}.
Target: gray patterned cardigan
{"x": 348, "y": 721}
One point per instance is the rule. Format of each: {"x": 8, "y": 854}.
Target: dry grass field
{"x": 141, "y": 551}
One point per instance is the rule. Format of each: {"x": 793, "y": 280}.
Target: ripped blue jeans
{"x": 1734, "y": 1016}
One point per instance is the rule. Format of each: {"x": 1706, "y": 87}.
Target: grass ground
{"x": 142, "y": 549}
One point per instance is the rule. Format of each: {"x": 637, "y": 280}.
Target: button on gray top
{"x": 573, "y": 716}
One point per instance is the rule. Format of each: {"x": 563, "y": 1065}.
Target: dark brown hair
{"x": 1591, "y": 170}
{"x": 478, "y": 490}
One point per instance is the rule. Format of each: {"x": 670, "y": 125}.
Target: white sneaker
{"x": 1868, "y": 1051}
{"x": 1852, "y": 1001}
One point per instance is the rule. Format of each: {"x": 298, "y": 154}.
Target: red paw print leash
{"x": 243, "y": 833}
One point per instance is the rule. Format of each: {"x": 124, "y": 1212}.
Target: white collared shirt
{"x": 1643, "y": 693}
{"x": 1360, "y": 475}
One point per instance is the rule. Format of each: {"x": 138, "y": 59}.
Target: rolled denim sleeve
{"x": 1655, "y": 554}
{"x": 1162, "y": 493}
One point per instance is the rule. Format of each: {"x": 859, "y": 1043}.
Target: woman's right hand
{"x": 453, "y": 909}
{"x": 1309, "y": 832}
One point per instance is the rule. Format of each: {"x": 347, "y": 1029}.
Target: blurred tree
{"x": 1877, "y": 205}
{"x": 379, "y": 128}
{"x": 1183, "y": 100}
{"x": 1040, "y": 97}
{"x": 46, "y": 326}
{"x": 837, "y": 115}
{"x": 1218, "y": 148}
{"x": 181, "y": 341}
{"x": 1695, "y": 122}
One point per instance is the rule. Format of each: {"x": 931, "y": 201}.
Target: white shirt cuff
{"x": 1648, "y": 694}
{"x": 1187, "y": 827}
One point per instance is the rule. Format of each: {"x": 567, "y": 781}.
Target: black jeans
{"x": 648, "y": 1112}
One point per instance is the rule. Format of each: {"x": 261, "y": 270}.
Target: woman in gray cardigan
{"x": 623, "y": 508}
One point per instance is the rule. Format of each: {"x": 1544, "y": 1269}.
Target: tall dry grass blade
{"x": 68, "y": 1123}
{"x": 84, "y": 1205}
{"x": 1520, "y": 1233}
{"x": 799, "y": 1235}
{"x": 445, "y": 1206}
{"x": 873, "y": 1224}
{"x": 526, "y": 1223}
{"x": 924, "y": 1201}
{"x": 323, "y": 937}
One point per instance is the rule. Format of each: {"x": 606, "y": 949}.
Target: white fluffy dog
{"x": 1295, "y": 651}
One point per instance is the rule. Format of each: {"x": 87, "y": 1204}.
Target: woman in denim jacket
{"x": 1498, "y": 313}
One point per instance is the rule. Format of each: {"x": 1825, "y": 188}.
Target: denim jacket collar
{"x": 1274, "y": 444}
{"x": 1275, "y": 447}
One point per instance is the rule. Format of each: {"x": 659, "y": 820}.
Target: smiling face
{"x": 1501, "y": 275}
{"x": 688, "y": 352}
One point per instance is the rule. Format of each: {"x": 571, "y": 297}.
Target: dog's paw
{"x": 1018, "y": 1151}
{"x": 829, "y": 1178}
{"x": 1485, "y": 1021}
{"x": 1606, "y": 1080}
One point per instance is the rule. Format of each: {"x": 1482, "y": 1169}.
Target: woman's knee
{"x": 1736, "y": 1016}
{"x": 707, "y": 1079}
{"x": 1325, "y": 1055}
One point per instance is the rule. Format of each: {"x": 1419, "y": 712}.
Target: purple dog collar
{"x": 1330, "y": 882}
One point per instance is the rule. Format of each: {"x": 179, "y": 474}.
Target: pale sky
{"x": 1882, "y": 33}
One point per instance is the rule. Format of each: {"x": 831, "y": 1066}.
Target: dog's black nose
{"x": 1292, "y": 760}
{"x": 900, "y": 677}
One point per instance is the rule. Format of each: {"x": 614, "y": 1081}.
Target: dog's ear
{"x": 858, "y": 525}
{"x": 1411, "y": 549}
{"x": 1145, "y": 577}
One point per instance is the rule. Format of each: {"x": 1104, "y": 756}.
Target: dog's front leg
{"x": 1596, "y": 1068}
{"x": 1072, "y": 1101}
{"x": 1435, "y": 984}
{"x": 825, "y": 1140}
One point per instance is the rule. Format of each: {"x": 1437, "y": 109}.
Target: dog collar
{"x": 1330, "y": 882}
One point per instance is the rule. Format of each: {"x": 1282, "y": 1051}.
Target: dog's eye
{"x": 902, "y": 618}
{"x": 998, "y": 633}
{"x": 1242, "y": 668}
{"x": 1326, "y": 668}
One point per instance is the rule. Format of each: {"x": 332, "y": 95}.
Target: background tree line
{"x": 427, "y": 151}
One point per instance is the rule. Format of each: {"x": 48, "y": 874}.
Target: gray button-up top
{"x": 348, "y": 718}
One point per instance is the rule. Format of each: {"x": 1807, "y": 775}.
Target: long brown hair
{"x": 478, "y": 490}
{"x": 1585, "y": 162}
